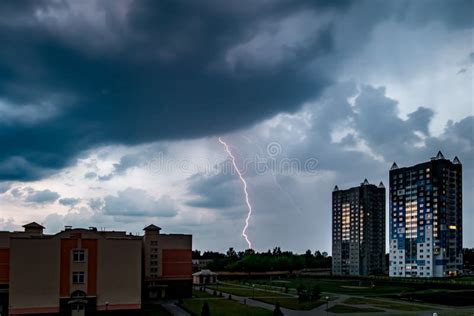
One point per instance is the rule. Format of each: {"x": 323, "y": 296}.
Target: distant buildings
{"x": 358, "y": 230}
{"x": 426, "y": 219}
{"x": 204, "y": 277}
{"x": 81, "y": 271}
{"x": 200, "y": 264}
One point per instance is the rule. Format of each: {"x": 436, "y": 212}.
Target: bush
{"x": 277, "y": 311}
{"x": 205, "y": 310}
{"x": 315, "y": 292}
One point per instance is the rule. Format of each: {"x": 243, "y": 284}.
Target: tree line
{"x": 271, "y": 260}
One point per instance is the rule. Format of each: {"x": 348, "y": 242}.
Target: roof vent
{"x": 394, "y": 166}
{"x": 94, "y": 229}
{"x": 67, "y": 227}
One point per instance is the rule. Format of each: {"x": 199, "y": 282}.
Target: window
{"x": 78, "y": 255}
{"x": 78, "y": 277}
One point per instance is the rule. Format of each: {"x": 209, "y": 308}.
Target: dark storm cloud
{"x": 303, "y": 202}
{"x": 143, "y": 157}
{"x": 69, "y": 201}
{"x": 377, "y": 121}
{"x": 41, "y": 196}
{"x": 137, "y": 202}
{"x": 4, "y": 187}
{"x": 157, "y": 70}
{"x": 216, "y": 191}
{"x": 90, "y": 175}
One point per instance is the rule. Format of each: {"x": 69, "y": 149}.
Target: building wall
{"x": 426, "y": 219}
{"x": 358, "y": 244}
{"x": 167, "y": 265}
{"x": 119, "y": 273}
{"x": 34, "y": 276}
{"x": 4, "y": 265}
{"x": 176, "y": 256}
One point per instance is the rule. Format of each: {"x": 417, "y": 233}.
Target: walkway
{"x": 174, "y": 309}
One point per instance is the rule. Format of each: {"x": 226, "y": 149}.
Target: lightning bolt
{"x": 244, "y": 183}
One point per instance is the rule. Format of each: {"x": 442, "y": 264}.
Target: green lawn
{"x": 353, "y": 287}
{"x": 352, "y": 309}
{"x": 292, "y": 303}
{"x": 385, "y": 304}
{"x": 224, "y": 307}
{"x": 285, "y": 300}
{"x": 201, "y": 294}
{"x": 246, "y": 291}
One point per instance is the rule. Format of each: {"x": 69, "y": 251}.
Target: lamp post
{"x": 253, "y": 286}
{"x": 327, "y": 304}
{"x": 107, "y": 306}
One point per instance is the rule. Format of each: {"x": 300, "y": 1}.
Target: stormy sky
{"x": 110, "y": 111}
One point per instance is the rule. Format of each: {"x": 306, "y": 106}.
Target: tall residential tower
{"x": 426, "y": 219}
{"x": 358, "y": 230}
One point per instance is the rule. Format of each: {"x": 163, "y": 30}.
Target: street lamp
{"x": 253, "y": 286}
{"x": 327, "y": 304}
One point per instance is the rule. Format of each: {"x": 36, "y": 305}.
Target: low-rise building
{"x": 85, "y": 271}
{"x": 204, "y": 277}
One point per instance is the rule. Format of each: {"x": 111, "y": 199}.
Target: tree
{"x": 196, "y": 254}
{"x": 231, "y": 253}
{"x": 277, "y": 311}
{"x": 205, "y": 310}
{"x": 315, "y": 292}
{"x": 302, "y": 293}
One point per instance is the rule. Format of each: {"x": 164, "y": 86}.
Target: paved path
{"x": 174, "y": 309}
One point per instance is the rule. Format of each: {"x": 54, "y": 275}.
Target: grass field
{"x": 246, "y": 291}
{"x": 201, "y": 294}
{"x": 271, "y": 297}
{"x": 451, "y": 298}
{"x": 353, "y": 287}
{"x": 385, "y": 304}
{"x": 224, "y": 307}
{"x": 353, "y": 309}
{"x": 292, "y": 303}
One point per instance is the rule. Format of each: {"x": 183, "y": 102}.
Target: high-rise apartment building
{"x": 358, "y": 230}
{"x": 426, "y": 219}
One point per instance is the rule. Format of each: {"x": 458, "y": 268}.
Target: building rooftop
{"x": 33, "y": 225}
{"x": 204, "y": 272}
{"x": 152, "y": 227}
